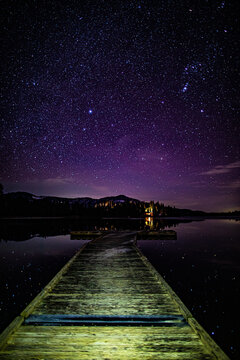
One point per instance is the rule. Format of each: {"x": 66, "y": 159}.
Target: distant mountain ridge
{"x": 27, "y": 204}
{"x": 29, "y": 196}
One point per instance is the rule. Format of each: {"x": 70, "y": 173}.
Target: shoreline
{"x": 197, "y": 218}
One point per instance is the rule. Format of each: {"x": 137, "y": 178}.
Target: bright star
{"x": 185, "y": 87}
{"x": 90, "y": 111}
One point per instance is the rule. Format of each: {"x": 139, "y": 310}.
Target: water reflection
{"x": 149, "y": 225}
{"x": 203, "y": 267}
{"x": 22, "y": 230}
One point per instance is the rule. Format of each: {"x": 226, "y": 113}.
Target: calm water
{"x": 202, "y": 266}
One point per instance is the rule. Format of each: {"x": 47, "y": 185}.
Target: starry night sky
{"x": 127, "y": 97}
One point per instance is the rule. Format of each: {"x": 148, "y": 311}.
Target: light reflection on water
{"x": 202, "y": 266}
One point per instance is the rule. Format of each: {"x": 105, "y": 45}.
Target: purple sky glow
{"x": 130, "y": 97}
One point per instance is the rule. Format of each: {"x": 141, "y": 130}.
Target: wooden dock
{"x": 108, "y": 302}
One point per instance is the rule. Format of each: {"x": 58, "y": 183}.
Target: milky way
{"x": 127, "y": 97}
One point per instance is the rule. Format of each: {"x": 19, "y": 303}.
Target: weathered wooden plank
{"x": 74, "y": 331}
{"x": 106, "y": 342}
{"x": 109, "y": 310}
{"x": 106, "y": 320}
{"x": 113, "y": 353}
{"x": 107, "y": 303}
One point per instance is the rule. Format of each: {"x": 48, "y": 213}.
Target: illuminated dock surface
{"x": 108, "y": 302}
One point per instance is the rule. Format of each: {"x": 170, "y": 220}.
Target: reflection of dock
{"x": 107, "y": 286}
{"x": 85, "y": 235}
{"x": 140, "y": 235}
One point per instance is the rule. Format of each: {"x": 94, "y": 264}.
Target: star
{"x": 185, "y": 87}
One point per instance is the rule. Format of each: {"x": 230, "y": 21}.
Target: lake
{"x": 202, "y": 265}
